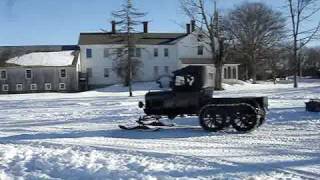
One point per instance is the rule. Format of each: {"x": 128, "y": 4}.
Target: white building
{"x": 159, "y": 54}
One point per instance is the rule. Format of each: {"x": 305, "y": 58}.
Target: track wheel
{"x": 245, "y": 121}
{"x": 211, "y": 119}
{"x": 227, "y": 122}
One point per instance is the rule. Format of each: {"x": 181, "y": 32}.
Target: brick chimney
{"x": 188, "y": 28}
{"x": 193, "y": 25}
{"x": 145, "y": 27}
{"x": 114, "y": 30}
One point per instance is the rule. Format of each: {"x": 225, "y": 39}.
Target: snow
{"x": 75, "y": 136}
{"x": 61, "y": 58}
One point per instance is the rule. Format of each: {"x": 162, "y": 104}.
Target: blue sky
{"x": 34, "y": 22}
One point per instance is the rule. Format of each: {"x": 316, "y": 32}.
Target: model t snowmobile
{"x": 191, "y": 95}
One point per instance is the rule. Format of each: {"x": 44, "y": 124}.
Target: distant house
{"x": 159, "y": 53}
{"x": 40, "y": 72}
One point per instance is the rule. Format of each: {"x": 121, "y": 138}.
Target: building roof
{"x": 196, "y": 61}
{"x": 119, "y": 38}
{"x": 202, "y": 61}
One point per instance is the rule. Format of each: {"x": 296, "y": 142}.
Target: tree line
{"x": 264, "y": 40}
{"x": 269, "y": 43}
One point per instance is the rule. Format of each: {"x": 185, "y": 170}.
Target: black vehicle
{"x": 191, "y": 95}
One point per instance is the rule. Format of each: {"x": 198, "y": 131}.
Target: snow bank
{"x": 265, "y": 85}
{"x": 61, "y": 58}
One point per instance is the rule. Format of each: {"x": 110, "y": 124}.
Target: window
{"x": 89, "y": 53}
{"x": 155, "y": 52}
{"x": 62, "y": 86}
{"x": 200, "y": 50}
{"x": 166, "y": 52}
{"x": 19, "y": 87}
{"x": 5, "y": 87}
{"x": 3, "y": 74}
{"x": 155, "y": 71}
{"x": 89, "y": 72}
{"x": 63, "y": 73}
{"x": 33, "y": 87}
{"x": 106, "y": 72}
{"x": 138, "y": 52}
{"x": 47, "y": 86}
{"x": 166, "y": 69}
{"x": 28, "y": 74}
{"x": 229, "y": 73}
{"x": 105, "y": 52}
{"x": 225, "y": 73}
{"x": 184, "y": 80}
{"x": 234, "y": 73}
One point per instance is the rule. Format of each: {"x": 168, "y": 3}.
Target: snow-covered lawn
{"x": 75, "y": 136}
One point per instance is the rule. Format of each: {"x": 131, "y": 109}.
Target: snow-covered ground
{"x": 75, "y": 136}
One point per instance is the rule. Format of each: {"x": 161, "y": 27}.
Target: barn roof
{"x": 37, "y": 55}
{"x": 44, "y": 59}
{"x": 120, "y": 38}
{"x": 60, "y": 58}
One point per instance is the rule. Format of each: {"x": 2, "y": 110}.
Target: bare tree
{"x": 127, "y": 19}
{"x": 302, "y": 11}
{"x": 257, "y": 29}
{"x": 209, "y": 24}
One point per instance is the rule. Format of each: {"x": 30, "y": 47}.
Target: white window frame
{"x": 19, "y": 87}
{"x": 5, "y": 89}
{"x": 87, "y": 53}
{"x": 200, "y": 50}
{"x": 60, "y": 88}
{"x": 61, "y": 73}
{"x": 46, "y": 86}
{"x": 156, "y": 52}
{"x": 25, "y": 73}
{"x": 3, "y": 70}
{"x": 33, "y": 87}
{"x": 166, "y": 52}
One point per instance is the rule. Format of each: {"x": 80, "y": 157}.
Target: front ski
{"x": 147, "y": 123}
{"x": 139, "y": 127}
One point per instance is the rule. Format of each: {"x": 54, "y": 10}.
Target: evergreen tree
{"x": 127, "y": 19}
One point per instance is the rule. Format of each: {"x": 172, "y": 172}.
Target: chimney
{"x": 188, "y": 28}
{"x": 145, "y": 26}
{"x": 193, "y": 25}
{"x": 113, "y": 23}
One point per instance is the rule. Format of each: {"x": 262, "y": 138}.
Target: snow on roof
{"x": 61, "y": 58}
